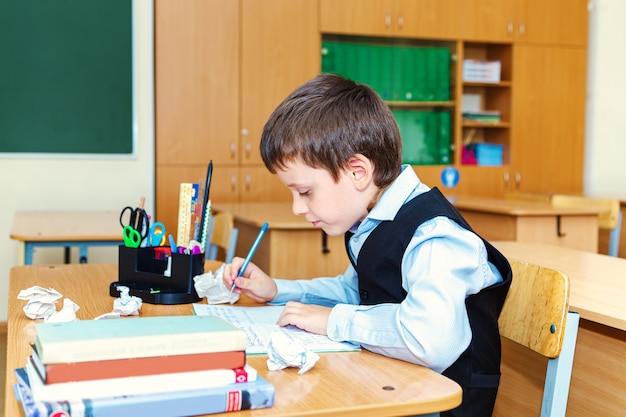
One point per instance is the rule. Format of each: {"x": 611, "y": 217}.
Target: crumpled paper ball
{"x": 41, "y": 301}
{"x": 283, "y": 352}
{"x": 126, "y": 305}
{"x": 67, "y": 313}
{"x": 211, "y": 286}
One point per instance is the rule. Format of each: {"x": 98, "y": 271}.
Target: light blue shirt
{"x": 442, "y": 265}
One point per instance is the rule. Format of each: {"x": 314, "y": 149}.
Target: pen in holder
{"x": 158, "y": 276}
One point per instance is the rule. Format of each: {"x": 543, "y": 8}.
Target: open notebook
{"x": 260, "y": 322}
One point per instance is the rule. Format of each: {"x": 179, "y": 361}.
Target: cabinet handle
{"x": 248, "y": 181}
{"x": 509, "y": 27}
{"x": 233, "y": 150}
{"x": 522, "y": 29}
{"x": 505, "y": 177}
{"x": 518, "y": 180}
{"x": 387, "y": 20}
{"x": 248, "y": 148}
{"x": 233, "y": 183}
{"x": 400, "y": 20}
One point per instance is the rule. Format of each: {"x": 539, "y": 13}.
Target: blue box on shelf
{"x": 488, "y": 154}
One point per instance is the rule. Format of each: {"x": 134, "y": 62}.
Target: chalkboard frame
{"x": 111, "y": 132}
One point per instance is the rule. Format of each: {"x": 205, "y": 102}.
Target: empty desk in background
{"x": 597, "y": 293}
{"x": 66, "y": 229}
{"x": 531, "y": 221}
{"x": 292, "y": 248}
{"x": 343, "y": 383}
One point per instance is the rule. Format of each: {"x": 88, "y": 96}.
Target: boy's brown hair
{"x": 326, "y": 121}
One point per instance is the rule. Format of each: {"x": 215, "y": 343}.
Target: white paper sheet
{"x": 260, "y": 322}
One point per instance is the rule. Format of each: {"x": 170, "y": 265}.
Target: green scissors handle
{"x": 132, "y": 238}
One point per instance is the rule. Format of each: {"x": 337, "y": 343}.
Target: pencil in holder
{"x": 158, "y": 276}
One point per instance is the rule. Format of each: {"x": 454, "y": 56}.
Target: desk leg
{"x": 82, "y": 254}
{"x": 28, "y": 253}
{"x": 66, "y": 255}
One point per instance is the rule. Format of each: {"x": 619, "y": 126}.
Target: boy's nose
{"x": 298, "y": 207}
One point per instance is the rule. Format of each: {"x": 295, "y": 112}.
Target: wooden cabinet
{"x": 438, "y": 19}
{"x": 540, "y": 96}
{"x": 222, "y": 66}
{"x": 197, "y": 82}
{"x": 549, "y": 119}
{"x": 280, "y": 49}
{"x": 556, "y": 22}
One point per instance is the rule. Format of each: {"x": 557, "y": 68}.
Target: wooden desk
{"x": 346, "y": 384}
{"x": 65, "y": 229}
{"x": 531, "y": 221}
{"x": 292, "y": 248}
{"x": 598, "y": 293}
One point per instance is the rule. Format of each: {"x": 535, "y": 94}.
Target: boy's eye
{"x": 304, "y": 193}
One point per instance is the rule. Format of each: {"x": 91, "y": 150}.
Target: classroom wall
{"x": 85, "y": 183}
{"x": 605, "y": 133}
{"x": 68, "y": 184}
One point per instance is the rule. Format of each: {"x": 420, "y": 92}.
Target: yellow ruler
{"x": 186, "y": 207}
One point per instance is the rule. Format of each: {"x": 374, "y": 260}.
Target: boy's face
{"x": 332, "y": 206}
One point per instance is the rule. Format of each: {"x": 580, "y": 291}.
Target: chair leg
{"x": 559, "y": 372}
{"x": 615, "y": 236}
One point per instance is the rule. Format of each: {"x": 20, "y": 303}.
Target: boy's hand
{"x": 309, "y": 317}
{"x": 254, "y": 283}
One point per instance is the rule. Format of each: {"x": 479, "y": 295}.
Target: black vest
{"x": 378, "y": 266}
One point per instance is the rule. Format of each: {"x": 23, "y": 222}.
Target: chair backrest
{"x": 607, "y": 219}
{"x": 536, "y": 315}
{"x": 610, "y": 220}
{"x": 535, "y": 309}
{"x": 222, "y": 236}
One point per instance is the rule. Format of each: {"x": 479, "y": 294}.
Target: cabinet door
{"x": 488, "y": 20}
{"x": 357, "y": 17}
{"x": 257, "y": 184}
{"x": 197, "y": 82}
{"x": 548, "y": 118}
{"x": 553, "y": 22}
{"x": 473, "y": 180}
{"x": 280, "y": 50}
{"x": 434, "y": 19}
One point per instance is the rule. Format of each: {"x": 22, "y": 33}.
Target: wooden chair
{"x": 222, "y": 236}
{"x": 535, "y": 315}
{"x": 610, "y": 220}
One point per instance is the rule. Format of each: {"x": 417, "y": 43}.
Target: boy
{"x": 421, "y": 287}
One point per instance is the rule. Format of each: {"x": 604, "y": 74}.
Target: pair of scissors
{"x": 135, "y": 224}
{"x": 156, "y": 235}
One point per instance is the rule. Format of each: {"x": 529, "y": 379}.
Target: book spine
{"x": 136, "y": 385}
{"x": 140, "y": 346}
{"x": 117, "y": 368}
{"x": 244, "y": 396}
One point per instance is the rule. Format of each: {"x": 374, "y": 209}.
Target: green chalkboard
{"x": 66, "y": 76}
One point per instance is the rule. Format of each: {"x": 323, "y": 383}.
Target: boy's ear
{"x": 361, "y": 170}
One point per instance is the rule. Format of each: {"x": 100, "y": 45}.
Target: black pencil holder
{"x": 151, "y": 276}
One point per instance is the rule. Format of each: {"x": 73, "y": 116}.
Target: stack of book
{"x": 158, "y": 366}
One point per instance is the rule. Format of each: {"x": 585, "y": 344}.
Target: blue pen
{"x": 173, "y": 244}
{"x": 253, "y": 249}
